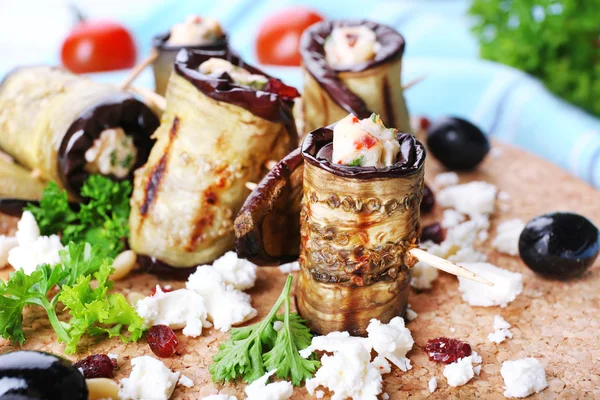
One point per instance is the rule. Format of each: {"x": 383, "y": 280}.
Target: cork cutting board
{"x": 555, "y": 322}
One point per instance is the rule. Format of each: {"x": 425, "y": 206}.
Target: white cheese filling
{"x": 261, "y": 390}
{"x": 507, "y": 236}
{"x": 501, "y": 330}
{"x": 462, "y": 371}
{"x": 507, "y": 285}
{"x": 473, "y": 198}
{"x": 241, "y": 76}
{"x": 179, "y": 309}
{"x": 150, "y": 379}
{"x": 432, "y": 385}
{"x": 364, "y": 143}
{"x": 33, "y": 249}
{"x": 237, "y": 272}
{"x": 523, "y": 377}
{"x": 195, "y": 31}
{"x": 347, "y": 46}
{"x": 113, "y": 153}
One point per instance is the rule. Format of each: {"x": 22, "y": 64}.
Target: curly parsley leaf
{"x": 251, "y": 350}
{"x": 357, "y": 162}
{"x": 54, "y": 212}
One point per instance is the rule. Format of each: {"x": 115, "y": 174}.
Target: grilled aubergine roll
{"x": 352, "y": 67}
{"x": 17, "y": 187}
{"x": 224, "y": 119}
{"x": 195, "y": 33}
{"x": 362, "y": 187}
{"x": 65, "y": 127}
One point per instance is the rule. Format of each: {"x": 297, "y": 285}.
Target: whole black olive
{"x": 40, "y": 376}
{"x": 457, "y": 143}
{"x": 428, "y": 200}
{"x": 433, "y": 232}
{"x": 559, "y": 245}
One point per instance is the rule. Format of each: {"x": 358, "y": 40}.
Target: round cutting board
{"x": 555, "y": 322}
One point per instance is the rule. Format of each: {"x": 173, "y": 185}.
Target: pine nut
{"x": 102, "y": 388}
{"x": 123, "y": 264}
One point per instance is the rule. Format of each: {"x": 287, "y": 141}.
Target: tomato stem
{"x": 77, "y": 13}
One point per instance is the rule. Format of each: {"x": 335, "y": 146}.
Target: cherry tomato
{"x": 279, "y": 36}
{"x": 94, "y": 46}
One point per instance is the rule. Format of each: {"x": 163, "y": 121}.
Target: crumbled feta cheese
{"x": 185, "y": 381}
{"x": 460, "y": 239}
{"x": 385, "y": 396}
{"x": 382, "y": 364}
{"x": 423, "y": 276}
{"x": 319, "y": 394}
{"x": 503, "y": 196}
{"x": 150, "y": 379}
{"x": 477, "y": 369}
{"x": 392, "y": 341}
{"x": 218, "y": 397}
{"x": 261, "y": 390}
{"x": 33, "y": 249}
{"x": 113, "y": 153}
{"x": 289, "y": 267}
{"x": 113, "y": 357}
{"x": 507, "y": 285}
{"x": 523, "y": 377}
{"x": 195, "y": 31}
{"x": 432, "y": 385}
{"x": 241, "y": 76}
{"x": 225, "y": 305}
{"x": 410, "y": 313}
{"x": 452, "y": 218}
{"x": 334, "y": 342}
{"x": 467, "y": 254}
{"x": 179, "y": 309}
{"x": 445, "y": 179}
{"x": 501, "y": 330}
{"x": 473, "y": 198}
{"x": 452, "y": 329}
{"x": 507, "y": 236}
{"x": 364, "y": 143}
{"x": 277, "y": 326}
{"x": 347, "y": 46}
{"x": 7, "y": 243}
{"x": 237, "y": 272}
{"x": 460, "y": 372}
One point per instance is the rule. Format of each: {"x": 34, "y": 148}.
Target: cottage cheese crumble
{"x": 507, "y": 285}
{"x": 523, "y": 377}
{"x": 501, "y": 330}
{"x": 507, "y": 236}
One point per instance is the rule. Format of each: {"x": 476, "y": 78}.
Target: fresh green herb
{"x": 557, "y": 41}
{"x": 126, "y": 162}
{"x": 102, "y": 219}
{"x": 88, "y": 307}
{"x": 357, "y": 162}
{"x": 113, "y": 158}
{"x": 253, "y": 349}
{"x": 374, "y": 117}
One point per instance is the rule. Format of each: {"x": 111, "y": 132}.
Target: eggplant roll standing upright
{"x": 357, "y": 225}
{"x": 361, "y": 87}
{"x": 50, "y": 119}
{"x": 215, "y": 136}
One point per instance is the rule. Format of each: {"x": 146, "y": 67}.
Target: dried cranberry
{"x": 281, "y": 89}
{"x": 428, "y": 200}
{"x": 433, "y": 232}
{"x": 447, "y": 350}
{"x": 162, "y": 340}
{"x": 164, "y": 289}
{"x": 97, "y": 366}
{"x": 424, "y": 123}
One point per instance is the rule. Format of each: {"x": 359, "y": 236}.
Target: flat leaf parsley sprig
{"x": 253, "y": 349}
{"x": 93, "y": 310}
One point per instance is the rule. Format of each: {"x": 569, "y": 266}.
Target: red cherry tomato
{"x": 279, "y": 36}
{"x": 95, "y": 46}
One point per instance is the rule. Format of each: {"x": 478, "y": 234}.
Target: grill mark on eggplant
{"x": 199, "y": 225}
{"x": 387, "y": 103}
{"x": 157, "y": 173}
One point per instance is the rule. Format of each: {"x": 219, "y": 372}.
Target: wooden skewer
{"x": 251, "y": 185}
{"x": 138, "y": 69}
{"x": 270, "y": 164}
{"x": 448, "y": 266}
{"x": 412, "y": 83}
{"x": 149, "y": 96}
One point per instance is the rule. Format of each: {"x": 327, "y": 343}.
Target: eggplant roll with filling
{"x": 65, "y": 127}
{"x": 196, "y": 33}
{"x": 224, "y": 119}
{"x": 352, "y": 67}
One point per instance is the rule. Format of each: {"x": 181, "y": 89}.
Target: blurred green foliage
{"x": 557, "y": 41}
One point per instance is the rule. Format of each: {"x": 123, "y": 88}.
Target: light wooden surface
{"x": 555, "y": 322}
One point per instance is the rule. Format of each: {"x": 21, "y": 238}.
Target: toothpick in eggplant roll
{"x": 352, "y": 67}
{"x": 63, "y": 128}
{"x": 195, "y": 33}
{"x": 224, "y": 119}
{"x": 361, "y": 190}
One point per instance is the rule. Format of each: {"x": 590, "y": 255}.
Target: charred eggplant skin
{"x": 357, "y": 226}
{"x": 163, "y": 65}
{"x": 41, "y": 376}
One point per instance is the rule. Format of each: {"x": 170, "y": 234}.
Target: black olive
{"x": 40, "y": 376}
{"x": 457, "y": 143}
{"x": 428, "y": 200}
{"x": 559, "y": 245}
